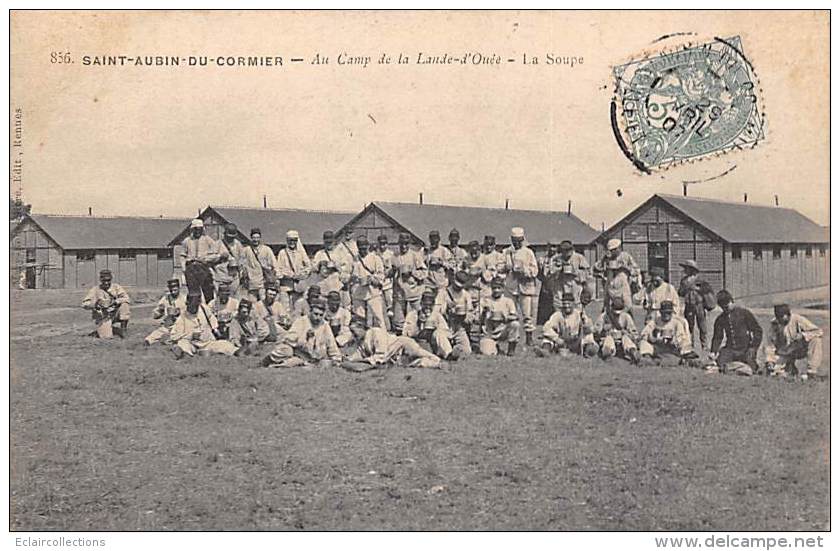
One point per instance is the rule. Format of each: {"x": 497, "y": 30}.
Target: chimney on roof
{"x": 90, "y": 211}
{"x": 569, "y": 210}
{"x": 685, "y": 189}
{"x": 507, "y": 203}
{"x": 265, "y": 202}
{"x": 421, "y": 198}
{"x": 777, "y": 200}
{"x": 745, "y": 197}
{"x": 603, "y": 226}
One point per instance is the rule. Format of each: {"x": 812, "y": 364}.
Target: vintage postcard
{"x": 420, "y": 270}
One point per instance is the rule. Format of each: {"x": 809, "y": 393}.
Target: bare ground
{"x": 112, "y": 436}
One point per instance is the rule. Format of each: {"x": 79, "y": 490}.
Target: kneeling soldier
{"x": 197, "y": 330}
{"x": 793, "y": 337}
{"x": 168, "y": 308}
{"x": 666, "y": 338}
{"x": 617, "y": 332}
{"x": 460, "y": 315}
{"x": 568, "y": 329}
{"x": 309, "y": 341}
{"x": 109, "y": 304}
{"x": 500, "y": 321}
{"x": 338, "y": 318}
{"x": 428, "y": 325}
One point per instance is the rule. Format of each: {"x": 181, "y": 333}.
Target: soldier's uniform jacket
{"x": 204, "y": 249}
{"x": 690, "y": 292}
{"x": 339, "y": 321}
{"x": 367, "y": 277}
{"x": 331, "y": 283}
{"x": 522, "y": 269}
{"x": 440, "y": 252}
{"x": 387, "y": 257}
{"x": 799, "y": 327}
{"x": 97, "y": 296}
{"x": 195, "y": 328}
{"x": 257, "y": 260}
{"x": 231, "y": 306}
{"x": 674, "y": 329}
{"x": 655, "y": 297}
{"x": 619, "y": 287}
{"x": 341, "y": 257}
{"x": 567, "y": 282}
{"x": 293, "y": 263}
{"x": 274, "y": 312}
{"x": 493, "y": 262}
{"x": 498, "y": 312}
{"x": 320, "y": 345}
{"x": 417, "y": 321}
{"x": 625, "y": 263}
{"x": 165, "y": 305}
{"x": 248, "y": 331}
{"x": 739, "y": 327}
{"x": 621, "y": 324}
{"x": 374, "y": 347}
{"x": 410, "y": 274}
{"x": 559, "y": 325}
{"x": 230, "y": 255}
{"x": 458, "y": 305}
{"x": 350, "y": 248}
{"x": 460, "y": 258}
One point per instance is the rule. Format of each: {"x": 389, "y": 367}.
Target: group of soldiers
{"x": 360, "y": 305}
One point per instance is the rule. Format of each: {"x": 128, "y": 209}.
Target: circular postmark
{"x": 693, "y": 102}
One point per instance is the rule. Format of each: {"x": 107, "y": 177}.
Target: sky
{"x": 172, "y": 140}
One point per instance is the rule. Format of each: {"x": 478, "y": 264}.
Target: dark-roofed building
{"x": 473, "y": 223}
{"x": 274, "y": 223}
{"x": 55, "y": 252}
{"x": 749, "y": 249}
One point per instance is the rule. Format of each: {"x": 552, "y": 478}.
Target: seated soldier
{"x": 793, "y": 337}
{"x": 617, "y": 333}
{"x": 338, "y": 318}
{"x": 459, "y": 314}
{"x": 273, "y": 314}
{"x": 742, "y": 335}
{"x": 377, "y": 347}
{"x": 429, "y": 326}
{"x": 499, "y": 321}
{"x": 223, "y": 305}
{"x": 168, "y": 309}
{"x": 568, "y": 330}
{"x": 246, "y": 331}
{"x": 109, "y": 304}
{"x": 308, "y": 342}
{"x": 302, "y": 307}
{"x": 196, "y": 330}
{"x": 665, "y": 340}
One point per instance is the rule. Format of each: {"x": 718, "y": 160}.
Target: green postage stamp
{"x": 687, "y": 104}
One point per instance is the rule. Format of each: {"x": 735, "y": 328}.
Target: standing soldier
{"x": 260, "y": 264}
{"x": 658, "y": 292}
{"x": 692, "y": 290}
{"x": 611, "y": 267}
{"x": 459, "y": 255}
{"x": 109, "y": 304}
{"x": 199, "y": 254}
{"x": 494, "y": 260}
{"x": 387, "y": 256}
{"x": 348, "y": 245}
{"x": 438, "y": 251}
{"x": 168, "y": 308}
{"x": 293, "y": 268}
{"x": 227, "y": 270}
{"x": 342, "y": 258}
{"x": 499, "y": 322}
{"x": 521, "y": 268}
{"x": 409, "y": 281}
{"x": 366, "y": 285}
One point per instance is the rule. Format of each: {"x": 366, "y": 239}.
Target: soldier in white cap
{"x": 199, "y": 254}
{"x": 612, "y": 265}
{"x": 521, "y": 269}
{"x": 293, "y": 269}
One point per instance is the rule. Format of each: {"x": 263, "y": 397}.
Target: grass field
{"x": 112, "y": 436}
